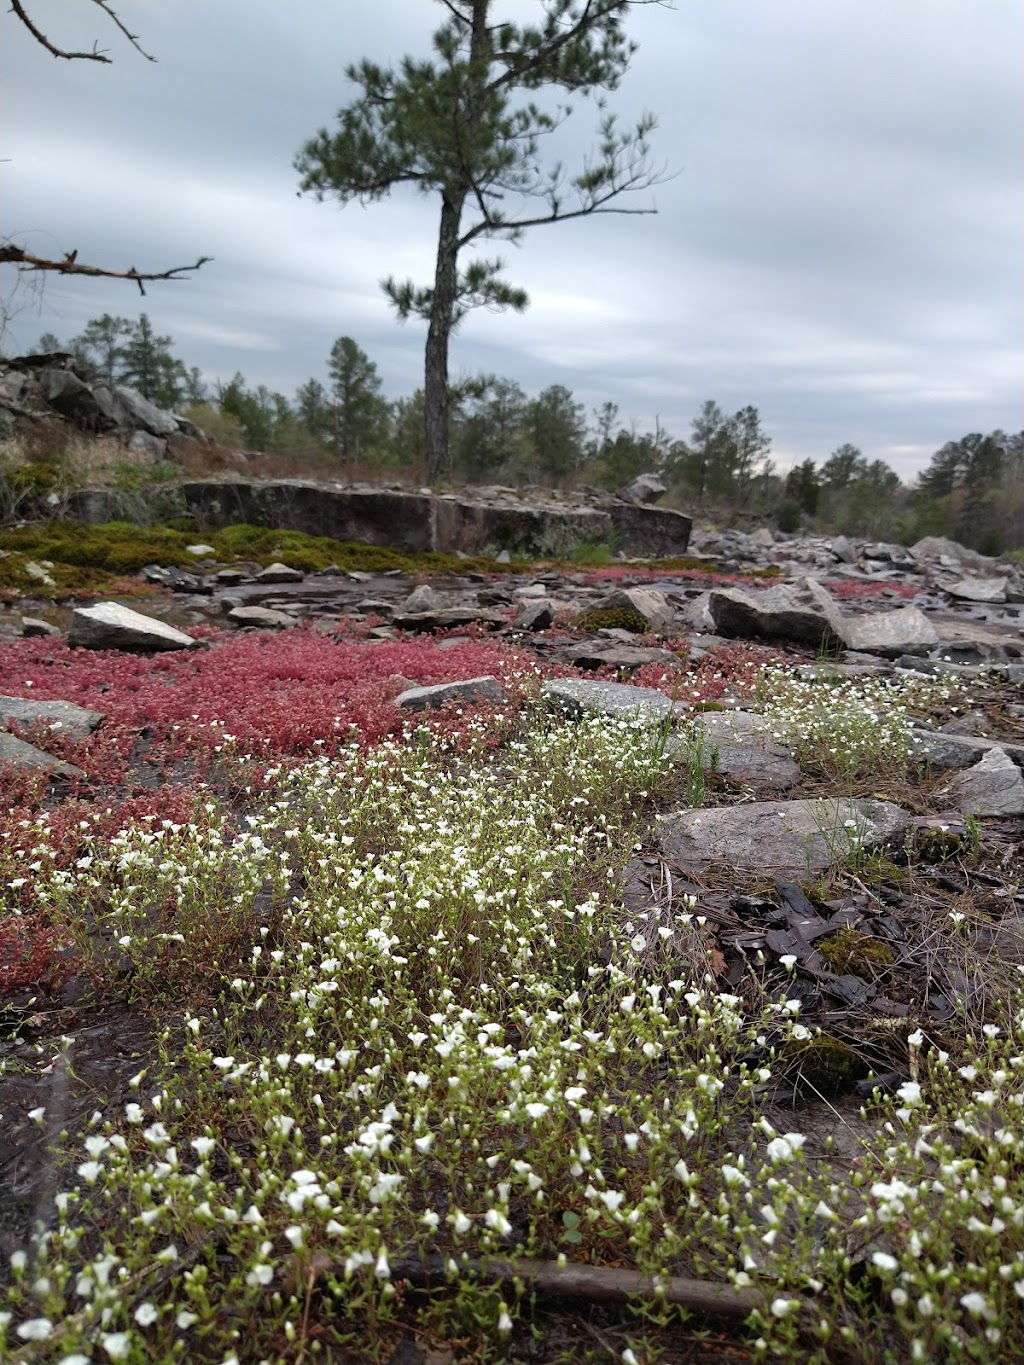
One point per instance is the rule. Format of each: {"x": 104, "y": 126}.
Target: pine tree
{"x": 449, "y": 128}
{"x": 359, "y": 410}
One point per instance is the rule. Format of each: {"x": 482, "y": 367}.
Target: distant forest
{"x": 972, "y": 490}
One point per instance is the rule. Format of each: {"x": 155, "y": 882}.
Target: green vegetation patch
{"x": 611, "y": 618}
{"x": 120, "y": 547}
{"x": 849, "y": 952}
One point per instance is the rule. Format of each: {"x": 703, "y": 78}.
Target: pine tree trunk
{"x": 435, "y": 378}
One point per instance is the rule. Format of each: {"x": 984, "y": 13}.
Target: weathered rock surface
{"x": 487, "y": 688}
{"x": 579, "y": 695}
{"x": 645, "y": 488}
{"x": 261, "y": 617}
{"x": 61, "y": 716}
{"x": 108, "y": 625}
{"x": 802, "y": 611}
{"x": 796, "y": 837}
{"x": 652, "y": 605}
{"x": 906, "y": 630}
{"x": 744, "y": 749}
{"x": 994, "y": 786}
{"x": 28, "y": 758}
{"x": 595, "y": 654}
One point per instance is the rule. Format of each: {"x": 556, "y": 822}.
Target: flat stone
{"x": 261, "y": 617}
{"x": 979, "y": 589}
{"x": 63, "y": 716}
{"x": 279, "y": 573}
{"x": 447, "y": 617}
{"x": 577, "y": 696}
{"x": 28, "y": 758}
{"x": 745, "y": 747}
{"x": 486, "y": 688}
{"x": 612, "y": 654}
{"x": 906, "y": 630}
{"x": 798, "y": 837}
{"x": 108, "y": 625}
{"x": 200, "y": 551}
{"x": 945, "y": 750}
{"x": 995, "y": 786}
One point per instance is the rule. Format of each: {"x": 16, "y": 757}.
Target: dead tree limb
{"x": 96, "y": 55}
{"x": 71, "y": 266}
{"x": 597, "y": 1284}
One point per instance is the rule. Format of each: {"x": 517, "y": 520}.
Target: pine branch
{"x": 70, "y": 266}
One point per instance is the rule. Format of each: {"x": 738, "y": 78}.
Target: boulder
{"x": 577, "y": 696}
{"x": 536, "y": 614}
{"x": 624, "y": 657}
{"x": 486, "y": 689}
{"x": 32, "y": 626}
{"x": 645, "y": 488}
{"x": 979, "y": 589}
{"x": 28, "y": 758}
{"x": 279, "y": 573}
{"x": 740, "y": 746}
{"x": 62, "y": 716}
{"x": 108, "y": 625}
{"x": 90, "y": 409}
{"x": 844, "y": 550}
{"x": 802, "y": 611}
{"x": 906, "y": 630}
{"x": 140, "y": 412}
{"x": 263, "y": 618}
{"x": 150, "y": 448}
{"x": 796, "y": 837}
{"x": 994, "y": 786}
{"x": 646, "y": 602}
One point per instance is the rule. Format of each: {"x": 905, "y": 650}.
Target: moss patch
{"x": 611, "y": 618}
{"x": 849, "y": 952}
{"x": 823, "y": 1065}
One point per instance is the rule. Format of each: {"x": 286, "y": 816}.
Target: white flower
{"x": 35, "y": 1329}
{"x": 536, "y": 1110}
{"x": 611, "y": 1199}
{"x": 90, "y": 1171}
{"x": 788, "y": 960}
{"x": 976, "y": 1304}
{"x": 782, "y": 1307}
{"x": 884, "y": 1261}
{"x": 785, "y": 1148}
{"x": 504, "y": 1323}
{"x": 116, "y": 1344}
{"x": 146, "y": 1314}
{"x": 909, "y": 1091}
{"x": 184, "y": 1320}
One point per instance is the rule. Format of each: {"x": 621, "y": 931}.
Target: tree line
{"x": 972, "y": 489}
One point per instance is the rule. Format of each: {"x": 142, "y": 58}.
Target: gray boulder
{"x": 614, "y": 654}
{"x": 645, "y": 488}
{"x": 148, "y": 447}
{"x": 744, "y": 749}
{"x": 279, "y": 573}
{"x": 802, "y": 611}
{"x": 647, "y": 602}
{"x": 576, "y": 696}
{"x": 535, "y": 614}
{"x": 264, "y": 618}
{"x": 797, "y": 837}
{"x": 979, "y": 589}
{"x": 995, "y": 786}
{"x": 27, "y": 758}
{"x": 62, "y": 716}
{"x": 486, "y": 688}
{"x": 140, "y": 412}
{"x": 904, "y": 631}
{"x": 108, "y": 625}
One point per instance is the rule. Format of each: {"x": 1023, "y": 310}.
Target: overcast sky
{"x": 840, "y": 244}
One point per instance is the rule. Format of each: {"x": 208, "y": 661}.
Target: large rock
{"x": 614, "y": 654}
{"x": 979, "y": 589}
{"x": 995, "y": 786}
{"x": 646, "y": 602}
{"x": 740, "y": 746}
{"x": 802, "y": 611}
{"x": 140, "y": 412}
{"x": 27, "y": 758}
{"x": 90, "y": 409}
{"x": 577, "y": 696}
{"x": 906, "y": 630}
{"x": 486, "y": 688}
{"x": 64, "y": 716}
{"x": 108, "y": 625}
{"x": 798, "y": 837}
{"x": 645, "y": 488}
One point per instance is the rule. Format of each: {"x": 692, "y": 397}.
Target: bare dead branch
{"x": 70, "y": 266}
{"x": 19, "y": 11}
{"x": 597, "y": 1284}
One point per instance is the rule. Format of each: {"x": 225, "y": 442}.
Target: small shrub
{"x": 611, "y": 618}
{"x": 849, "y": 952}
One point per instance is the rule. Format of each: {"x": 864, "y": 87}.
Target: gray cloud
{"x": 839, "y": 243}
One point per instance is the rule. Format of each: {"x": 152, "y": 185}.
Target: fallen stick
{"x": 598, "y": 1284}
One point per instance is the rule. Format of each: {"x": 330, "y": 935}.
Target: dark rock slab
{"x": 486, "y": 688}
{"x": 28, "y": 758}
{"x": 612, "y": 654}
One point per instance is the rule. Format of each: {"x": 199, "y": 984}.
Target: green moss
{"x": 822, "y": 1064}
{"x": 611, "y": 618}
{"x": 123, "y": 548}
{"x": 849, "y": 952}
{"x": 70, "y": 579}
{"x": 936, "y": 845}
